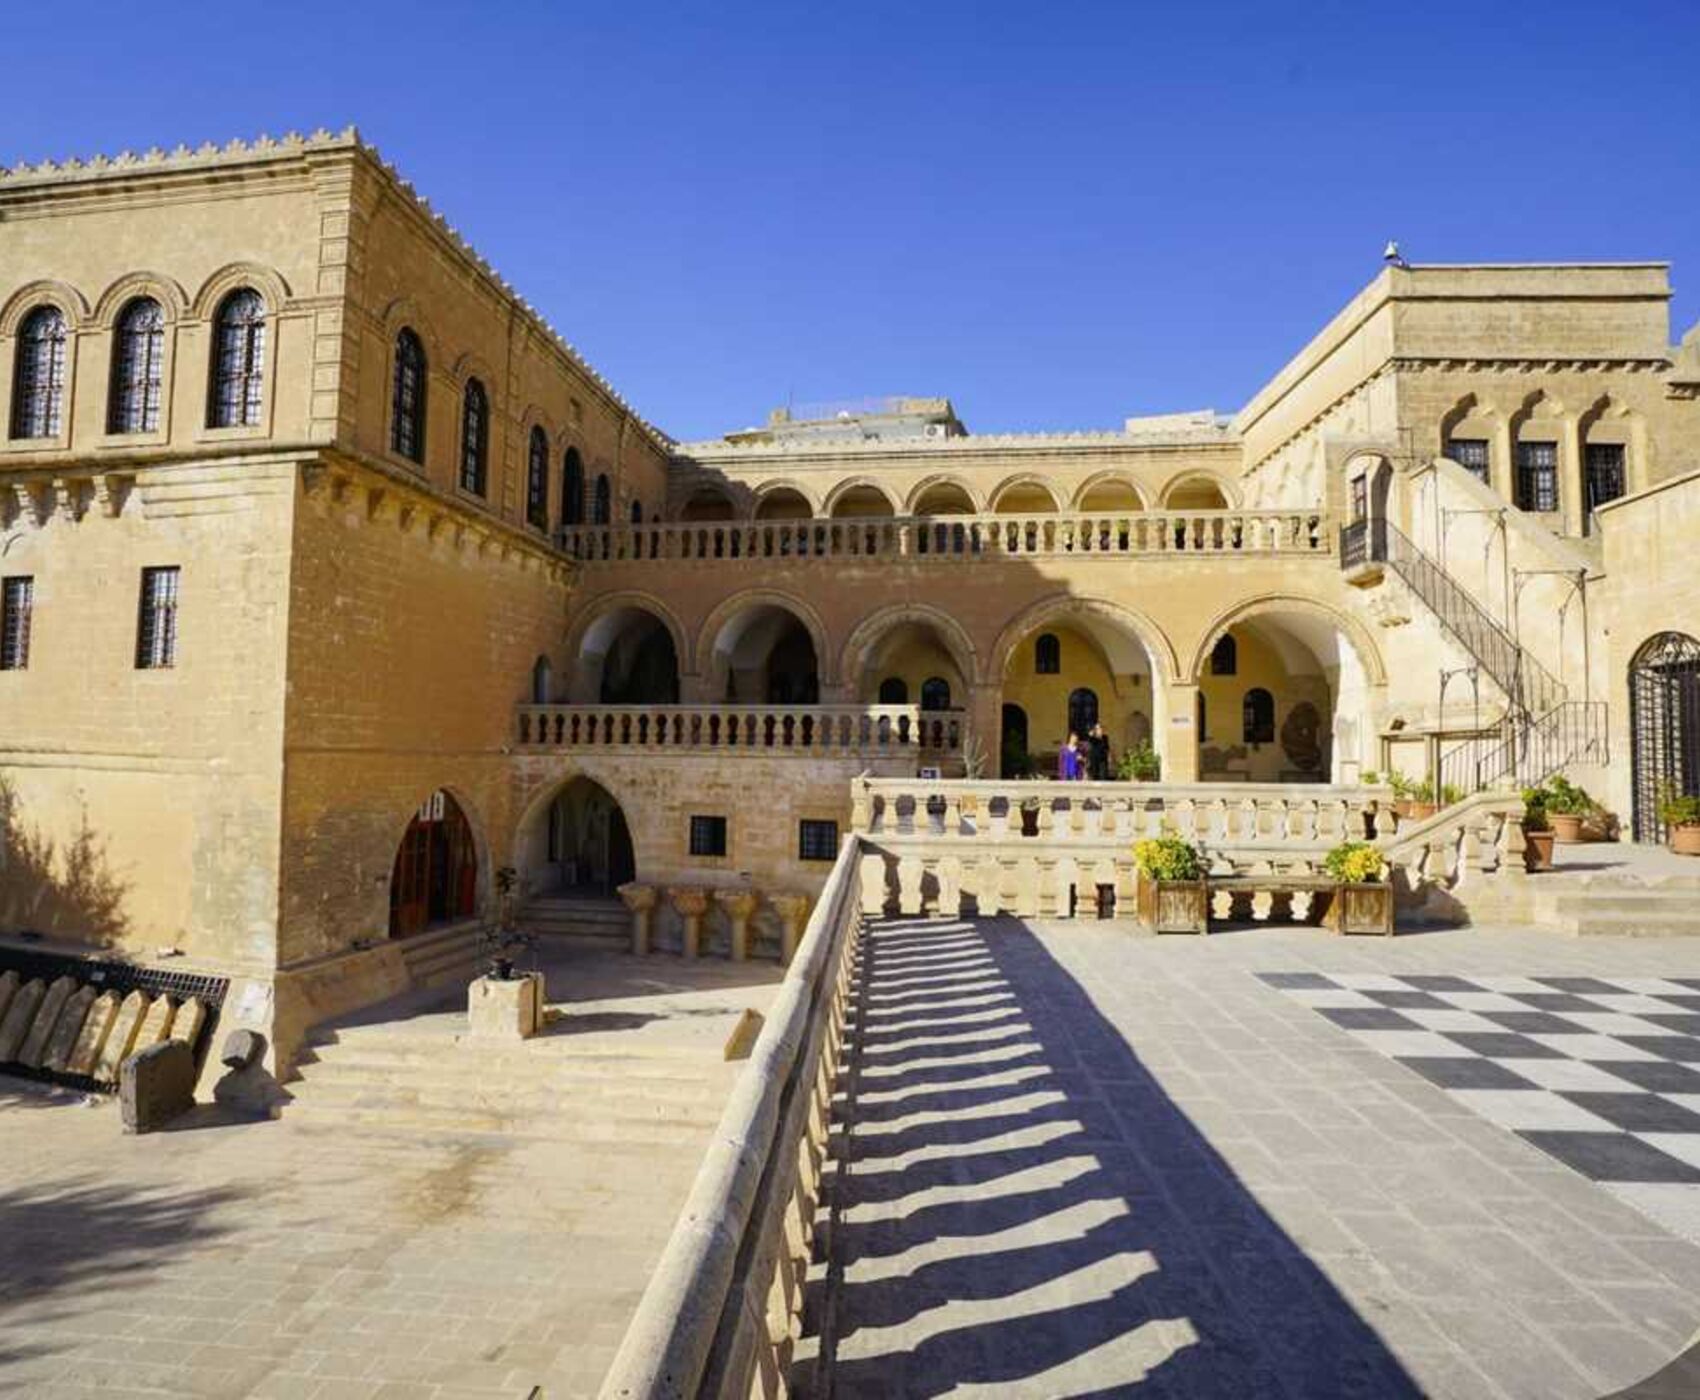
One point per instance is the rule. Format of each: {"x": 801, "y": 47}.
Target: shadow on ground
{"x": 1021, "y": 1208}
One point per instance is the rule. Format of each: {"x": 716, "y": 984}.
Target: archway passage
{"x": 784, "y": 503}
{"x": 1664, "y": 727}
{"x": 1067, "y": 673}
{"x": 586, "y": 845}
{"x": 912, "y": 659}
{"x": 764, "y": 655}
{"x": 1013, "y": 759}
{"x": 628, "y": 657}
{"x": 1195, "y": 493}
{"x": 435, "y": 879}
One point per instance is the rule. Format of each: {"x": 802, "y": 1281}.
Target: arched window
{"x": 407, "y": 416}
{"x": 138, "y": 369}
{"x": 239, "y": 361}
{"x": 542, "y": 675}
{"x": 894, "y": 690}
{"x": 935, "y": 693}
{"x": 38, "y": 382}
{"x": 474, "y": 438}
{"x": 1082, "y": 709}
{"x": 1259, "y": 717}
{"x": 1225, "y": 656}
{"x": 572, "y": 489}
{"x": 637, "y": 512}
{"x": 537, "y": 481}
{"x": 602, "y": 506}
{"x": 1047, "y": 655}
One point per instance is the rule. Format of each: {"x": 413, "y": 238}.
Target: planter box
{"x": 1174, "y": 906}
{"x": 1361, "y": 909}
{"x": 1537, "y": 851}
{"x": 1685, "y": 840}
{"x": 1566, "y": 826}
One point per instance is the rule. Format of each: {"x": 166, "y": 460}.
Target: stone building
{"x": 336, "y": 581}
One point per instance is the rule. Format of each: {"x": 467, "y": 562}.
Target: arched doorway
{"x": 581, "y": 845}
{"x": 1664, "y": 726}
{"x": 1013, "y": 758}
{"x": 435, "y": 879}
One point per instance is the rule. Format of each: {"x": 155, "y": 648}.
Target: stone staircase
{"x": 588, "y": 917}
{"x": 442, "y": 956}
{"x": 425, "y": 1077}
{"x": 1619, "y": 906}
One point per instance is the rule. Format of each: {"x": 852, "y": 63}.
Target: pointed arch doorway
{"x": 435, "y": 877}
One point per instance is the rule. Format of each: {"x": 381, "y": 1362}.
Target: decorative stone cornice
{"x": 717, "y": 449}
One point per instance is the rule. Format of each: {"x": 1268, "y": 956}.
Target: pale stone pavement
{"x": 276, "y": 1260}
{"x": 1084, "y": 1162}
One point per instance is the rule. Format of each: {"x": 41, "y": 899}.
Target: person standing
{"x": 1098, "y": 754}
{"x": 1068, "y": 759}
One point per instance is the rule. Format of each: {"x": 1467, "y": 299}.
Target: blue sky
{"x": 1056, "y": 214}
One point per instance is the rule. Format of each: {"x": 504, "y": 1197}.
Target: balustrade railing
{"x": 958, "y": 537}
{"x": 818, "y": 730}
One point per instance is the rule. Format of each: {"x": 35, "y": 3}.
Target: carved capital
{"x": 690, "y": 900}
{"x": 738, "y": 904}
{"x": 640, "y": 899}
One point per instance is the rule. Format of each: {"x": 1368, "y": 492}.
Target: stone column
{"x": 640, "y": 899}
{"x": 793, "y": 912}
{"x": 692, "y": 904}
{"x": 985, "y": 721}
{"x": 1177, "y": 741}
{"x": 739, "y": 905}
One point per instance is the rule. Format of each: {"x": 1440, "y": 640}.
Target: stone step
{"x": 477, "y": 1077}
{"x": 557, "y": 1127}
{"x": 508, "y": 1101}
{"x": 1600, "y": 901}
{"x": 1643, "y": 926}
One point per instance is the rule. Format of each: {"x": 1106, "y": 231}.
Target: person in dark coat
{"x": 1098, "y": 754}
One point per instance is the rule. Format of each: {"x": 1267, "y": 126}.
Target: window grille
{"x": 38, "y": 382}
{"x": 1537, "y": 476}
{"x": 1471, "y": 454}
{"x": 17, "y": 608}
{"x": 935, "y": 693}
{"x": 602, "y": 505}
{"x": 1047, "y": 655}
{"x": 156, "y": 631}
{"x": 407, "y": 419}
{"x": 817, "y": 840}
{"x": 1605, "y": 474}
{"x": 239, "y": 361}
{"x": 572, "y": 489}
{"x": 537, "y": 481}
{"x": 138, "y": 369}
{"x": 894, "y": 690}
{"x": 708, "y": 836}
{"x": 474, "y": 438}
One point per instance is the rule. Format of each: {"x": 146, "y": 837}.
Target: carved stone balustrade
{"x": 817, "y": 731}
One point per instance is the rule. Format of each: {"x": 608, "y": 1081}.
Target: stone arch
{"x": 472, "y": 365}
{"x": 1066, "y": 608}
{"x": 1199, "y": 477}
{"x": 530, "y": 836}
{"x": 594, "y": 630}
{"x": 45, "y": 291}
{"x": 1109, "y": 478}
{"x": 770, "y": 489}
{"x": 395, "y": 832}
{"x": 1369, "y": 655}
{"x": 872, "y": 629}
{"x": 1023, "y": 482}
{"x": 728, "y": 610}
{"x": 268, "y": 282}
{"x": 713, "y": 502}
{"x": 165, "y": 290}
{"x": 836, "y": 496}
{"x": 406, "y": 312}
{"x": 939, "y": 481}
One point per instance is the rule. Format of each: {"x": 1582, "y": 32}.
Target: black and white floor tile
{"x": 1602, "y": 1075}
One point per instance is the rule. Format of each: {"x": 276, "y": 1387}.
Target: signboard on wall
{"x": 431, "y": 809}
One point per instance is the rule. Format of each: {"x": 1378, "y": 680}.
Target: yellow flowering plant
{"x": 1356, "y": 863}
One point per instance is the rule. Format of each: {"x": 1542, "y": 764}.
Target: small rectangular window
{"x": 1360, "y": 498}
{"x": 1471, "y": 454}
{"x": 1537, "y": 476}
{"x": 817, "y": 840}
{"x": 1605, "y": 473}
{"x": 17, "y": 605}
{"x": 156, "y": 628}
{"x": 708, "y": 836}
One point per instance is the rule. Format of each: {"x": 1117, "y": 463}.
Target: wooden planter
{"x": 1685, "y": 840}
{"x": 1566, "y": 826}
{"x": 1174, "y": 906}
{"x": 1361, "y": 909}
{"x": 1537, "y": 851}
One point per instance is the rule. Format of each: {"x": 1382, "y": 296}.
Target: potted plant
{"x": 1363, "y": 899}
{"x": 1568, "y": 806}
{"x": 1421, "y": 805}
{"x": 1030, "y": 816}
{"x": 1537, "y": 831}
{"x": 1173, "y": 895}
{"x": 1682, "y": 815}
{"x": 1140, "y": 764}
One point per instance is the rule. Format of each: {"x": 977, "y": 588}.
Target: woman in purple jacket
{"x": 1068, "y": 760}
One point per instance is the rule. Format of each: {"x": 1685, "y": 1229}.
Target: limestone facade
{"x": 445, "y": 604}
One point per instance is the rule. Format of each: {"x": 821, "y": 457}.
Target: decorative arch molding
{"x": 1469, "y": 408}
{"x": 536, "y": 417}
{"x": 268, "y": 282}
{"x": 472, "y": 365}
{"x": 541, "y": 787}
{"x": 617, "y": 602}
{"x": 872, "y": 629}
{"x": 729, "y": 608}
{"x": 165, "y": 290}
{"x": 1369, "y": 655}
{"x": 45, "y": 292}
{"x": 1607, "y": 409}
{"x": 405, "y": 312}
{"x": 760, "y": 493}
{"x": 1230, "y": 491}
{"x": 1064, "y": 607}
{"x": 1111, "y": 477}
{"x": 1019, "y": 481}
{"x": 976, "y": 497}
{"x": 854, "y": 483}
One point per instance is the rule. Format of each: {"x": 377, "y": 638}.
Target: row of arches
{"x": 1025, "y": 494}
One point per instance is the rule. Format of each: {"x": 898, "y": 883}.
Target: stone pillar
{"x": 985, "y": 722}
{"x": 640, "y": 899}
{"x": 739, "y": 905}
{"x": 692, "y": 904}
{"x": 508, "y": 1009}
{"x": 793, "y": 912}
{"x": 1177, "y": 742}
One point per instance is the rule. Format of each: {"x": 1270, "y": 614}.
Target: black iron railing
{"x": 1526, "y": 754}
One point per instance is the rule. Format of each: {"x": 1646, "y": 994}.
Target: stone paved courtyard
{"x": 1083, "y": 1162}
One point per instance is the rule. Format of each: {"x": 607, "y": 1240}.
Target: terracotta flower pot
{"x": 1537, "y": 851}
{"x": 1566, "y": 826}
{"x": 1685, "y": 840}
{"x": 1420, "y": 811}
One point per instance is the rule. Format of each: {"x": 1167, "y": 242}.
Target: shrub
{"x": 1565, "y": 798}
{"x": 1535, "y": 809}
{"x": 1678, "y": 810}
{"x": 1450, "y": 793}
{"x": 1140, "y": 764}
{"x": 1355, "y": 863}
{"x": 1370, "y": 779}
{"x": 1168, "y": 858}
